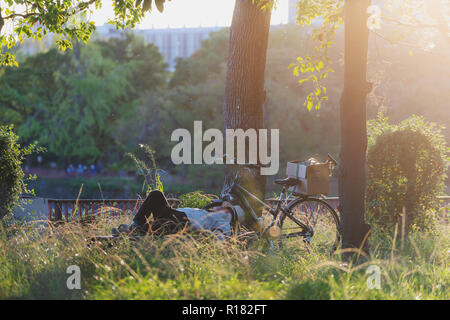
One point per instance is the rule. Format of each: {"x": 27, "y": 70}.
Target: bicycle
{"x": 294, "y": 216}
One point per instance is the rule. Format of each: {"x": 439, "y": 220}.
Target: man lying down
{"x": 219, "y": 220}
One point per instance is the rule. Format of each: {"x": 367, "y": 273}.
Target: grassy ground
{"x": 33, "y": 265}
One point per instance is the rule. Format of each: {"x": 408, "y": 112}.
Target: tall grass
{"x": 33, "y": 264}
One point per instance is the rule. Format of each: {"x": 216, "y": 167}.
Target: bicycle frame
{"x": 240, "y": 192}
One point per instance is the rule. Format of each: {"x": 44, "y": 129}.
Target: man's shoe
{"x": 138, "y": 229}
{"x": 122, "y": 229}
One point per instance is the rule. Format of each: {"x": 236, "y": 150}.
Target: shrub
{"x": 150, "y": 174}
{"x": 12, "y": 178}
{"x": 406, "y": 169}
{"x": 196, "y": 199}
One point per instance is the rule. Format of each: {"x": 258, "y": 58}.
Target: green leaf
{"x": 301, "y": 81}
{"x": 319, "y": 65}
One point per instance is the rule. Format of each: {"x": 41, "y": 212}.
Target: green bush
{"x": 196, "y": 199}
{"x": 149, "y": 174}
{"x": 12, "y": 178}
{"x": 406, "y": 171}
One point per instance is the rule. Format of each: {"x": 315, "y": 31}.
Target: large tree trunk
{"x": 352, "y": 176}
{"x": 244, "y": 92}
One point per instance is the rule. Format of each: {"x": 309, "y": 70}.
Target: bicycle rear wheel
{"x": 317, "y": 215}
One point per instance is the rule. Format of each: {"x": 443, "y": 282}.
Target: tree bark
{"x": 244, "y": 90}
{"x": 2, "y": 21}
{"x": 352, "y": 175}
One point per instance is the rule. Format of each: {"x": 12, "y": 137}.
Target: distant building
{"x": 172, "y": 43}
{"x": 292, "y": 11}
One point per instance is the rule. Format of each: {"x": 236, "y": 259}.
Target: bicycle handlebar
{"x": 225, "y": 157}
{"x": 332, "y": 160}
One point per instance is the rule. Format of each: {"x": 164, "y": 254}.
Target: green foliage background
{"x": 78, "y": 104}
{"x": 102, "y": 100}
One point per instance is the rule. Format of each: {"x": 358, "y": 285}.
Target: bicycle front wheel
{"x": 319, "y": 217}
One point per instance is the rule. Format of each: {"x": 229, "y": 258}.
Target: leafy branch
{"x": 315, "y": 67}
{"x": 62, "y": 17}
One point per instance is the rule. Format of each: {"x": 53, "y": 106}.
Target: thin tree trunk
{"x": 2, "y": 21}
{"x": 244, "y": 92}
{"x": 352, "y": 176}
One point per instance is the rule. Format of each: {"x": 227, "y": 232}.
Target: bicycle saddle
{"x": 288, "y": 182}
